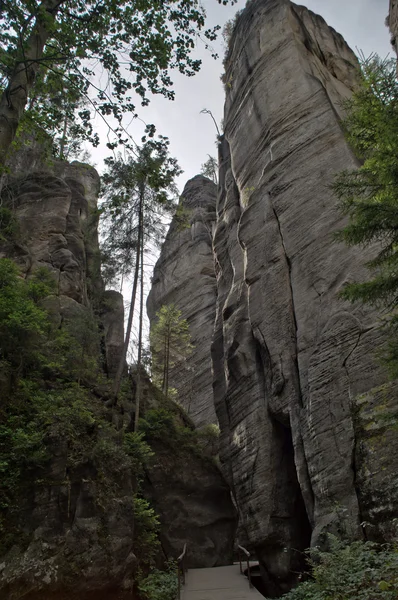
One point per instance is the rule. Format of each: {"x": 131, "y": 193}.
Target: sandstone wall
{"x": 289, "y": 357}
{"x": 184, "y": 275}
{"x": 55, "y": 206}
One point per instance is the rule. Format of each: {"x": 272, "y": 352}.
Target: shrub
{"x": 166, "y": 424}
{"x": 356, "y": 571}
{"x": 160, "y": 585}
{"x": 138, "y": 450}
{"x": 23, "y": 323}
{"x": 158, "y": 423}
{"x": 8, "y": 225}
{"x": 146, "y": 530}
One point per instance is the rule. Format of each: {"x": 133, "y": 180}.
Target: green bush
{"x": 356, "y": 571}
{"x": 138, "y": 450}
{"x": 166, "y": 424}
{"x": 146, "y": 531}
{"x": 158, "y": 423}
{"x": 8, "y": 225}
{"x": 211, "y": 431}
{"x": 23, "y": 323}
{"x": 160, "y": 585}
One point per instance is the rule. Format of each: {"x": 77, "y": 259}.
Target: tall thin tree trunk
{"x": 164, "y": 363}
{"x": 167, "y": 366}
{"x": 63, "y": 140}
{"x": 122, "y": 362}
{"x": 141, "y": 318}
{"x": 15, "y": 96}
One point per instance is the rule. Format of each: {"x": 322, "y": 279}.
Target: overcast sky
{"x": 192, "y": 135}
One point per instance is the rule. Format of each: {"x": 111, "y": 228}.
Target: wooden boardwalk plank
{"x": 218, "y": 583}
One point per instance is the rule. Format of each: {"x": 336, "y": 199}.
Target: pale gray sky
{"x": 192, "y": 135}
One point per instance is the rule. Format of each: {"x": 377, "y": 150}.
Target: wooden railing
{"x": 181, "y": 570}
{"x": 246, "y": 553}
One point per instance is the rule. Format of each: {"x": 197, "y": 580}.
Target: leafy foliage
{"x": 23, "y": 324}
{"x": 359, "y": 571}
{"x": 54, "y": 48}
{"x": 8, "y": 225}
{"x": 146, "y": 525}
{"x": 160, "y": 585}
{"x": 169, "y": 425}
{"x": 138, "y": 450}
{"x": 369, "y": 195}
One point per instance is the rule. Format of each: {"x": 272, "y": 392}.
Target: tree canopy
{"x": 57, "y": 48}
{"x": 139, "y": 192}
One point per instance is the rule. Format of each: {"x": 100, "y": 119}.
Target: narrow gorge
{"x": 300, "y": 397}
{"x": 279, "y": 426}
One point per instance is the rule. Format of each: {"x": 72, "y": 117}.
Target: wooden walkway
{"x": 218, "y": 583}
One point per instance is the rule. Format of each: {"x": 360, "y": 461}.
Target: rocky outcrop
{"x": 289, "y": 356}
{"x": 55, "y": 206}
{"x": 71, "y": 529}
{"x": 184, "y": 275}
{"x": 76, "y": 534}
{"x": 194, "y": 505}
{"x": 392, "y": 21}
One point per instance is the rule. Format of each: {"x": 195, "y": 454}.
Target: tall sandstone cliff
{"x": 184, "y": 275}
{"x": 305, "y": 409}
{"x": 292, "y": 360}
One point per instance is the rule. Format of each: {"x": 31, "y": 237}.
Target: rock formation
{"x": 55, "y": 206}
{"x": 72, "y": 532}
{"x": 290, "y": 358}
{"x": 194, "y": 505}
{"x": 393, "y": 23}
{"x": 184, "y": 275}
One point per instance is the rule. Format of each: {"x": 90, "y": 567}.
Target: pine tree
{"x": 210, "y": 169}
{"x": 369, "y": 195}
{"x": 139, "y": 193}
{"x": 170, "y": 343}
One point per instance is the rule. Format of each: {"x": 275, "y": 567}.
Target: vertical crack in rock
{"x": 300, "y": 396}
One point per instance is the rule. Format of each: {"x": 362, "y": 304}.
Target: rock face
{"x": 55, "y": 206}
{"x": 289, "y": 357}
{"x": 184, "y": 275}
{"x": 71, "y": 532}
{"x": 393, "y": 23}
{"x": 80, "y": 537}
{"x": 194, "y": 505}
